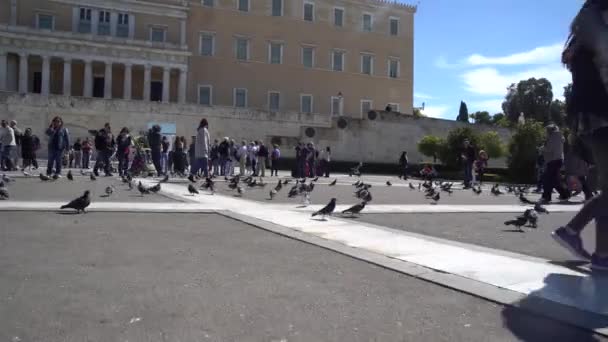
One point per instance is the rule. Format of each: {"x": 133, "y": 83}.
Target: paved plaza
{"x": 224, "y": 267}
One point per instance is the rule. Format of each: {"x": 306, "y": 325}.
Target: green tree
{"x": 523, "y": 150}
{"x": 454, "y": 144}
{"x": 532, "y": 97}
{"x": 431, "y": 146}
{"x": 483, "y": 118}
{"x": 491, "y": 143}
{"x": 463, "y": 113}
{"x": 558, "y": 112}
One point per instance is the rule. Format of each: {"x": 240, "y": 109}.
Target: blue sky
{"x": 471, "y": 50}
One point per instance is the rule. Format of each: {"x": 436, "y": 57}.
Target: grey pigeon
{"x": 240, "y": 190}
{"x": 532, "y": 217}
{"x": 327, "y": 210}
{"x": 273, "y": 193}
{"x": 3, "y": 193}
{"x": 192, "y": 190}
{"x": 6, "y": 178}
{"x": 388, "y": 183}
{"x": 80, "y": 203}
{"x": 524, "y": 200}
{"x": 70, "y": 176}
{"x": 519, "y": 222}
{"x": 44, "y": 178}
{"x": 334, "y": 182}
{"x": 436, "y": 197}
{"x": 540, "y": 209}
{"x": 109, "y": 190}
{"x": 92, "y": 177}
{"x": 142, "y": 189}
{"x": 155, "y": 188}
{"x": 412, "y": 187}
{"x": 355, "y": 209}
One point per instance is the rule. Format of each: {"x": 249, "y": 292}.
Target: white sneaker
{"x": 59, "y": 176}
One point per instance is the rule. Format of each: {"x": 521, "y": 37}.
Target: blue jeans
{"x": 164, "y": 162}
{"x": 468, "y": 173}
{"x": 55, "y": 157}
{"x": 7, "y": 156}
{"x": 200, "y": 163}
{"x": 156, "y": 156}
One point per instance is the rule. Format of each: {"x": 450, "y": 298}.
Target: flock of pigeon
{"x": 432, "y": 191}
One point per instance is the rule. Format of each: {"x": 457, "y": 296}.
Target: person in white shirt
{"x": 7, "y": 140}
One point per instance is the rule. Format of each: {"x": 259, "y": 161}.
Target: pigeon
{"x": 496, "y": 190}
{"x": 70, "y": 176}
{"x": 278, "y": 187}
{"x": 316, "y": 179}
{"x": 388, "y": 183}
{"x": 165, "y": 179}
{"x": 192, "y": 190}
{"x": 124, "y": 179}
{"x": 540, "y": 209}
{"x": 3, "y": 192}
{"x": 92, "y": 177}
{"x": 532, "y": 217}
{"x": 524, "y": 200}
{"x": 209, "y": 185}
{"x": 82, "y": 172}
{"x": 109, "y": 190}
{"x": 233, "y": 186}
{"x": 286, "y": 181}
{"x": 412, "y": 187}
{"x": 142, "y": 189}
{"x": 240, "y": 190}
{"x": 44, "y": 178}
{"x": 357, "y": 183}
{"x": 293, "y": 192}
{"x": 79, "y": 203}
{"x": 191, "y": 179}
{"x": 327, "y": 210}
{"x": 436, "y": 197}
{"x": 334, "y": 182}
{"x": 155, "y": 188}
{"x": 355, "y": 209}
{"x": 518, "y": 222}
{"x": 477, "y": 190}
{"x": 130, "y": 185}
{"x": 273, "y": 193}
{"x": 6, "y": 179}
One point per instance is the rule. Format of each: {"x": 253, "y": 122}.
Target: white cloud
{"x": 492, "y": 82}
{"x": 540, "y": 55}
{"x": 423, "y": 96}
{"x": 492, "y": 106}
{"x": 436, "y": 111}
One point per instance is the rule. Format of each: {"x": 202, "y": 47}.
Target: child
{"x": 481, "y": 164}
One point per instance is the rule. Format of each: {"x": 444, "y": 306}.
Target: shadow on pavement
{"x": 588, "y": 291}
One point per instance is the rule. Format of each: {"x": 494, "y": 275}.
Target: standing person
{"x": 554, "y": 159}
{"x": 123, "y": 148}
{"x": 201, "y": 150}
{"x": 17, "y": 150}
{"x": 311, "y": 160}
{"x": 77, "y": 147}
{"x": 300, "y": 160}
{"x": 262, "y": 159}
{"x": 481, "y": 164}
{"x": 242, "y": 154}
{"x": 7, "y": 137}
{"x": 179, "y": 157}
{"x": 104, "y": 144}
{"x": 223, "y": 151}
{"x": 587, "y": 110}
{"x": 253, "y": 156}
{"x": 70, "y": 157}
{"x": 275, "y": 156}
{"x": 86, "y": 153}
{"x": 232, "y": 150}
{"x": 214, "y": 157}
{"x": 164, "y": 155}
{"x": 28, "y": 152}
{"x": 59, "y": 141}
{"x": 191, "y": 157}
{"x": 403, "y": 164}
{"x": 468, "y": 158}
{"x": 540, "y": 168}
{"x": 326, "y": 161}
{"x": 155, "y": 142}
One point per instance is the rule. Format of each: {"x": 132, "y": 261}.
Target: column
{"x": 23, "y": 73}
{"x": 181, "y": 88}
{"x": 13, "y": 18}
{"x": 113, "y": 23}
{"x": 127, "y": 82}
{"x": 2, "y": 70}
{"x": 182, "y": 32}
{"x": 67, "y": 77}
{"x": 147, "y": 77}
{"x": 46, "y": 75}
{"x": 94, "y": 20}
{"x": 107, "y": 81}
{"x": 88, "y": 78}
{"x": 166, "y": 82}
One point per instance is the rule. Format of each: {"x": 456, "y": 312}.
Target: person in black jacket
{"x": 155, "y": 142}
{"x": 222, "y": 150}
{"x": 262, "y": 159}
{"x": 104, "y": 144}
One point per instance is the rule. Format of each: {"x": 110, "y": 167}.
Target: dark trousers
{"x": 123, "y": 163}
{"x": 54, "y": 160}
{"x": 86, "y": 156}
{"x": 403, "y": 171}
{"x": 274, "y": 168}
{"x": 468, "y": 173}
{"x": 156, "y": 161}
{"x": 552, "y": 180}
{"x": 103, "y": 159}
{"x": 7, "y": 157}
{"x": 325, "y": 167}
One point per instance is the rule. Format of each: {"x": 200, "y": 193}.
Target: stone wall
{"x": 380, "y": 140}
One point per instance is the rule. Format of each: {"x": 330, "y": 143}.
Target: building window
{"x": 277, "y": 8}
{"x": 309, "y": 11}
{"x": 84, "y": 22}
{"x": 367, "y": 64}
{"x": 274, "y": 101}
{"x": 158, "y": 34}
{"x": 122, "y": 26}
{"x": 103, "y": 27}
{"x": 207, "y": 44}
{"x": 394, "y": 26}
{"x": 306, "y": 103}
{"x": 276, "y": 53}
{"x": 337, "y": 60}
{"x": 336, "y": 109}
{"x": 208, "y": 3}
{"x": 243, "y": 5}
{"x": 45, "y": 22}
{"x": 308, "y": 56}
{"x": 339, "y": 17}
{"x": 242, "y": 49}
{"x": 240, "y": 97}
{"x": 367, "y": 22}
{"x": 393, "y": 68}
{"x": 366, "y": 106}
{"x": 205, "y": 95}
{"x": 394, "y": 107}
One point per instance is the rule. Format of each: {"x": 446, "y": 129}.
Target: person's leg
{"x": 156, "y": 162}
{"x": 107, "y": 163}
{"x": 34, "y": 160}
{"x": 585, "y": 187}
{"x": 50, "y": 160}
{"x": 467, "y": 174}
{"x": 58, "y": 162}
{"x": 9, "y": 157}
{"x": 550, "y": 176}
{"x": 205, "y": 166}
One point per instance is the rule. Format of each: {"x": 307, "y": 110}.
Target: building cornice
{"x": 387, "y": 3}
{"x": 135, "y": 6}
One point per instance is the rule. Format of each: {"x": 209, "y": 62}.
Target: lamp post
{"x": 340, "y": 104}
